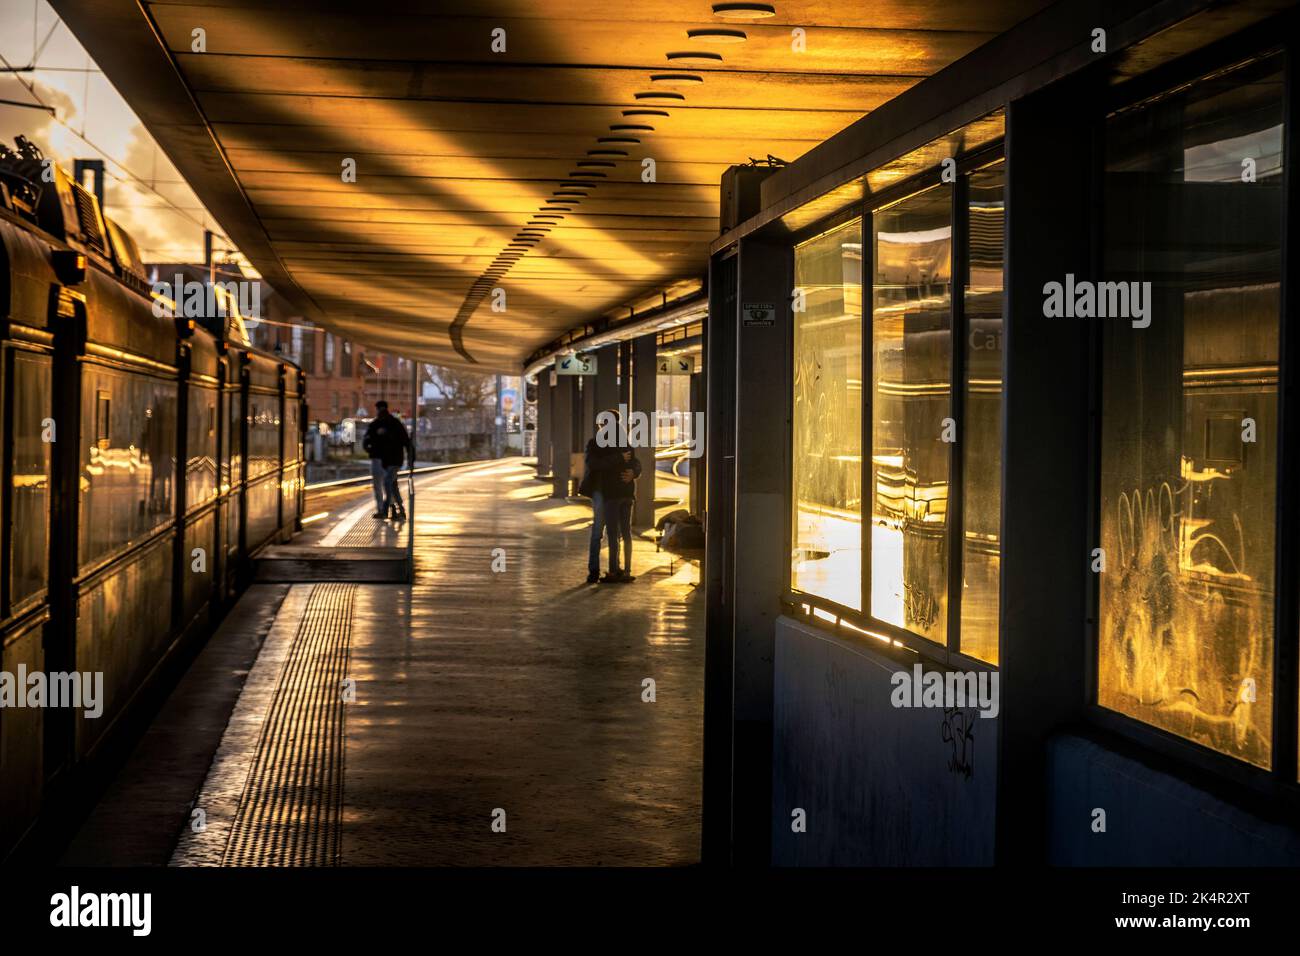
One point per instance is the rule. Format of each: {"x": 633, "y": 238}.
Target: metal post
{"x": 543, "y": 425}
{"x": 563, "y": 396}
{"x": 498, "y": 425}
{"x": 415, "y": 410}
{"x": 644, "y": 401}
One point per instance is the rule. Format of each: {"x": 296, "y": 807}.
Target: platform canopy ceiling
{"x": 469, "y": 120}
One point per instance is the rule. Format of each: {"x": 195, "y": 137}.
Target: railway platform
{"x": 473, "y": 717}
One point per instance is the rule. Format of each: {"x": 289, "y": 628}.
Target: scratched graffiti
{"x": 958, "y": 732}
{"x": 920, "y": 609}
{"x": 1186, "y": 631}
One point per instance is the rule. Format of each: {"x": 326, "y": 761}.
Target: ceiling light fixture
{"x": 579, "y": 185}
{"x": 606, "y": 152}
{"x": 641, "y": 112}
{"x": 588, "y": 173}
{"x": 632, "y": 127}
{"x": 660, "y": 97}
{"x": 595, "y": 164}
{"x": 676, "y": 79}
{"x": 696, "y": 57}
{"x": 714, "y": 35}
{"x": 744, "y": 11}
{"x": 617, "y": 139}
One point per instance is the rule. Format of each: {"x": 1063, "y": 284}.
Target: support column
{"x": 695, "y": 497}
{"x": 542, "y": 431}
{"x": 644, "y": 400}
{"x": 625, "y": 374}
{"x": 585, "y": 413}
{"x": 564, "y": 395}
{"x": 761, "y": 553}
{"x": 718, "y": 571}
{"x": 606, "y": 382}
{"x": 1042, "y": 640}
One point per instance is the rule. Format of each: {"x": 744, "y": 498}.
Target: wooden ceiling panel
{"x": 457, "y": 146}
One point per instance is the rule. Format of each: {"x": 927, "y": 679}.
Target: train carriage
{"x": 147, "y": 458}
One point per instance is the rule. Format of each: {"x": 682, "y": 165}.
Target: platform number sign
{"x": 676, "y": 365}
{"x": 758, "y": 314}
{"x": 576, "y": 365}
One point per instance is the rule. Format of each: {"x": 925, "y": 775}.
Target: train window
{"x": 1189, "y": 418}
{"x": 30, "y": 421}
{"x": 128, "y": 475}
{"x": 912, "y": 431}
{"x": 103, "y": 416}
{"x": 827, "y": 460}
{"x": 201, "y": 455}
{"x": 982, "y": 415}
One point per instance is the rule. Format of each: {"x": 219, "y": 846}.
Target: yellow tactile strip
{"x": 290, "y": 809}
{"x": 373, "y": 533}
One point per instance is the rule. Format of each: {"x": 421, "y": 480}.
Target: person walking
{"x": 388, "y": 444}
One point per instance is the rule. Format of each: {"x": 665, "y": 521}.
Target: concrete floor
{"x": 482, "y": 691}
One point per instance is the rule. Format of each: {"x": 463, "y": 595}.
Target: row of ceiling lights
{"x": 582, "y": 179}
{"x": 727, "y": 11}
{"x": 570, "y": 194}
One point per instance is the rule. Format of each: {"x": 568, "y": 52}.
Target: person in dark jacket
{"x": 619, "y": 491}
{"x": 596, "y": 461}
{"x": 387, "y": 444}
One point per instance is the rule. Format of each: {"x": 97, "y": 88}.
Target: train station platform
{"x": 495, "y": 711}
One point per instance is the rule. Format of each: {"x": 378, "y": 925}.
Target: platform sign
{"x": 758, "y": 314}
{"x": 677, "y": 365}
{"x": 576, "y": 365}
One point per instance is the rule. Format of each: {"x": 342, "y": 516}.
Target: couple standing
{"x": 387, "y": 444}
{"x": 610, "y": 482}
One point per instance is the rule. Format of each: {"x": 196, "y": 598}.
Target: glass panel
{"x": 827, "y": 467}
{"x": 673, "y": 402}
{"x": 982, "y": 444}
{"x": 1189, "y": 411}
{"x": 234, "y": 432}
{"x": 263, "y": 434}
{"x": 201, "y": 437}
{"x": 128, "y": 470}
{"x": 911, "y": 388}
{"x": 31, "y": 474}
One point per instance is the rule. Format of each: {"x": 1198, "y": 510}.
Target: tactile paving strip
{"x": 290, "y": 812}
{"x": 373, "y": 533}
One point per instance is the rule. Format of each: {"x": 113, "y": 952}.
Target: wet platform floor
{"x": 495, "y": 712}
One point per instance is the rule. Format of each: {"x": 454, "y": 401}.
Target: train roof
{"x": 40, "y": 196}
